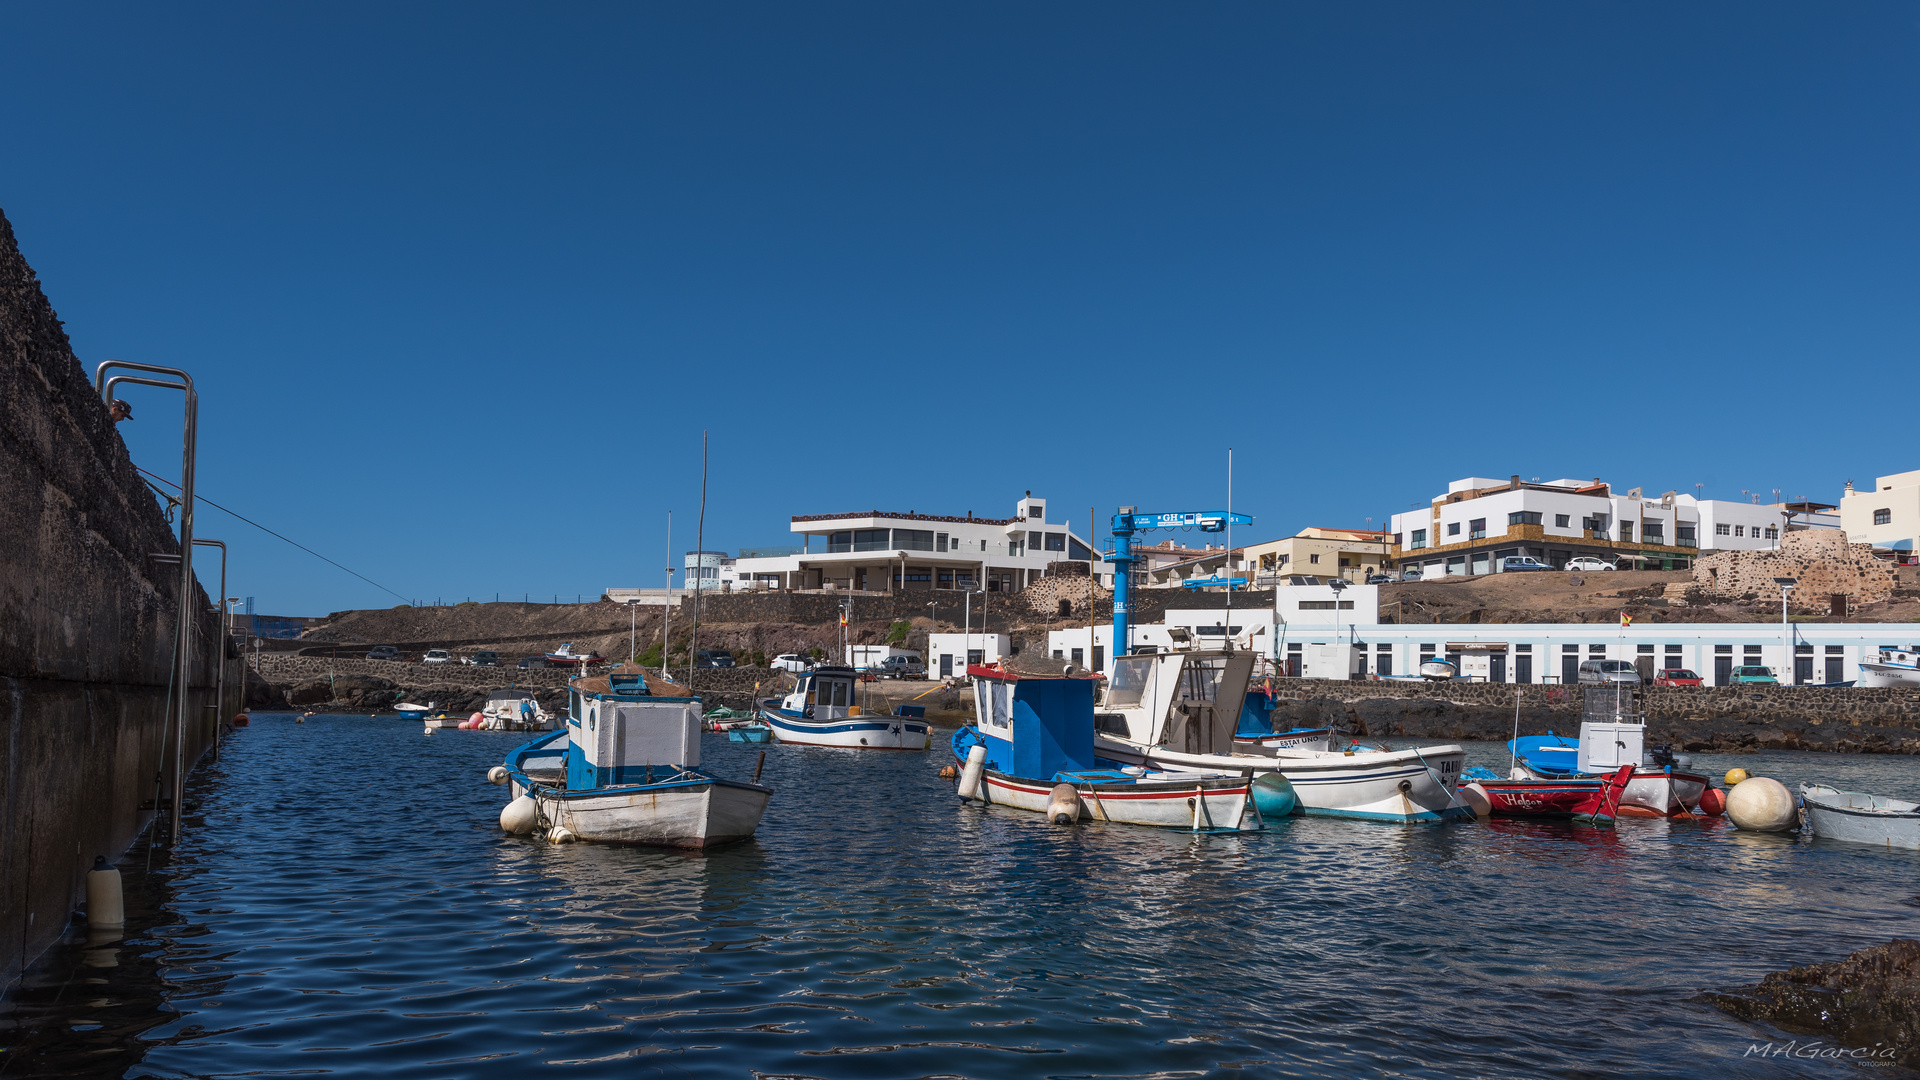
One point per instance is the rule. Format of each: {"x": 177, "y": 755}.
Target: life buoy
{"x": 807, "y": 712}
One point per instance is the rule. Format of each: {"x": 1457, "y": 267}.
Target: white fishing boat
{"x": 626, "y": 770}
{"x": 1031, "y": 748}
{"x": 1613, "y": 731}
{"x": 1176, "y": 712}
{"x": 515, "y": 710}
{"x": 1860, "y": 818}
{"x": 822, "y": 710}
{"x": 1894, "y": 665}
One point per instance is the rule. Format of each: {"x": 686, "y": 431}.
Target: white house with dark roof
{"x": 884, "y": 551}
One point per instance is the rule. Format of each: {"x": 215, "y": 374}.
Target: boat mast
{"x": 700, "y": 559}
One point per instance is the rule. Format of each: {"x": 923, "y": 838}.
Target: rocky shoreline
{"x": 1870, "y": 1002}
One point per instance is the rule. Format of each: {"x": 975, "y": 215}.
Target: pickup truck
{"x": 902, "y": 667}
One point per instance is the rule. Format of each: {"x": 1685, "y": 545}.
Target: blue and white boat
{"x": 1613, "y": 734}
{"x": 1031, "y": 748}
{"x": 1177, "y": 711}
{"x": 1895, "y": 665}
{"x": 822, "y": 710}
{"x": 626, "y": 770}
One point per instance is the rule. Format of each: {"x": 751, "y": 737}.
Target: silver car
{"x": 1608, "y": 672}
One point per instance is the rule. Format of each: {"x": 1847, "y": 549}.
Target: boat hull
{"x": 847, "y": 732}
{"x": 693, "y": 815}
{"x": 1855, "y": 818}
{"x": 1201, "y": 804}
{"x": 1595, "y": 800}
{"x": 1393, "y": 785}
{"x": 1888, "y": 675}
{"x": 1653, "y": 792}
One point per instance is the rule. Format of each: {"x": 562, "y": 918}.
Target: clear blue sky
{"x": 462, "y": 285}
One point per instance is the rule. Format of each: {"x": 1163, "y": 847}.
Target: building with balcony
{"x": 1353, "y": 554}
{"x": 1887, "y": 516}
{"x": 880, "y": 551}
{"x": 1480, "y": 521}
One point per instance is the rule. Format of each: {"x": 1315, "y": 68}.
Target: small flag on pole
{"x": 1626, "y": 619}
{"x": 843, "y": 618}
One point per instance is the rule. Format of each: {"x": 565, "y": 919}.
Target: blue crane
{"x": 1125, "y": 524}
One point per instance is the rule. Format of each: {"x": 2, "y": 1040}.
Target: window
{"x": 840, "y": 541}
{"x": 1056, "y": 541}
{"x": 1883, "y": 517}
{"x": 1324, "y": 605}
{"x": 1477, "y": 528}
{"x": 1036, "y": 541}
{"x": 1527, "y": 517}
{"x": 913, "y": 539}
{"x": 983, "y": 545}
{"x": 871, "y": 540}
{"x": 1722, "y": 530}
{"x": 1684, "y": 535}
{"x": 1560, "y": 521}
{"x": 1419, "y": 538}
{"x": 1313, "y": 558}
{"x": 1396, "y": 540}
{"x": 1773, "y": 532}
{"x": 1344, "y": 562}
{"x": 1654, "y": 532}
{"x": 939, "y": 541}
{"x": 1739, "y": 530}
{"x": 915, "y": 573}
{"x": 1453, "y": 528}
{"x": 1034, "y": 513}
{"x": 1594, "y": 524}
{"x": 1626, "y": 531}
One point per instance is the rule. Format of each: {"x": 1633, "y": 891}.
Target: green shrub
{"x": 897, "y": 633}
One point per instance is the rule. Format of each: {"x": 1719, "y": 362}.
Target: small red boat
{"x": 567, "y": 655}
{"x": 1595, "y": 801}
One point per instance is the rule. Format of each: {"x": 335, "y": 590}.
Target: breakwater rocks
{"x": 1717, "y": 718}
{"x": 1869, "y": 1001}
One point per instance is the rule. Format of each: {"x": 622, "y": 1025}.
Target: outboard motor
{"x": 1662, "y": 756}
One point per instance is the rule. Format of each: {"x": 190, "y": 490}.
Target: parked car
{"x": 793, "y": 662}
{"x": 714, "y": 658}
{"x": 536, "y": 662}
{"x": 1753, "y": 673}
{"x": 485, "y": 658}
{"x": 1588, "y": 562}
{"x": 1379, "y": 579}
{"x": 1513, "y": 563}
{"x": 383, "y": 652}
{"x": 1676, "y": 676}
{"x": 902, "y": 667}
{"x": 1608, "y": 672}
{"x": 437, "y": 656}
{"x": 1411, "y": 574}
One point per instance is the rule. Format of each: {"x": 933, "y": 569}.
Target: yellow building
{"x": 1347, "y": 553}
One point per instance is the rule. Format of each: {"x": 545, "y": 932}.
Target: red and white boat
{"x": 568, "y": 655}
{"x": 1596, "y": 801}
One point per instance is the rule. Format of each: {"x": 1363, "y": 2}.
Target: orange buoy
{"x": 478, "y": 719}
{"x": 241, "y": 719}
{"x": 1713, "y": 802}
{"x": 949, "y": 772}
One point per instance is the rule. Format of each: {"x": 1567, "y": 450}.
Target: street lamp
{"x": 1339, "y": 585}
{"x": 1786, "y": 630}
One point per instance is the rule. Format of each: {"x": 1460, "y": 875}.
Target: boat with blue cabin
{"x": 625, "y": 769}
{"x": 1031, "y": 748}
{"x": 1612, "y": 734}
{"x": 822, "y": 709}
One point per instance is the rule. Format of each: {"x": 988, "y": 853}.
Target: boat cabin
{"x": 1034, "y": 727}
{"x": 825, "y": 693}
{"x": 1186, "y": 701}
{"x": 620, "y": 732}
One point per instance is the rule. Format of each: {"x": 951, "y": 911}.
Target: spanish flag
{"x": 843, "y": 618}
{"x": 1625, "y": 619}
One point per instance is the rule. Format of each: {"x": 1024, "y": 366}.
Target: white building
{"x": 1887, "y": 517}
{"x": 1479, "y": 521}
{"x": 949, "y": 654}
{"x": 876, "y": 551}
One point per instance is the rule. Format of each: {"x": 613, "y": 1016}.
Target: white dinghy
{"x": 1860, "y": 818}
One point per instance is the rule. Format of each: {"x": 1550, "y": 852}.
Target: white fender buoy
{"x": 970, "y": 776}
{"x": 1063, "y": 808}
{"x": 520, "y": 816}
{"x": 497, "y": 774}
{"x": 1762, "y": 804}
{"x": 106, "y": 905}
{"x": 559, "y": 834}
{"x": 1476, "y": 799}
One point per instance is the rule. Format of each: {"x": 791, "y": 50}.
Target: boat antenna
{"x": 1513, "y": 752}
{"x": 1226, "y": 628}
{"x": 700, "y": 560}
{"x": 666, "y": 619}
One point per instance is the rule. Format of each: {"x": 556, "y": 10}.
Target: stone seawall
{"x": 1721, "y": 718}
{"x": 321, "y": 683}
{"x": 87, "y": 619}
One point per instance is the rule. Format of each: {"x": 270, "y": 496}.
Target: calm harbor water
{"x": 344, "y": 905}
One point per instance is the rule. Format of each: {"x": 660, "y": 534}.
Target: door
{"x": 1644, "y": 664}
{"x": 1836, "y": 669}
{"x": 1722, "y": 670}
{"x": 1523, "y": 668}
{"x": 1383, "y": 664}
{"x": 1802, "y": 670}
{"x": 1293, "y": 666}
{"x": 1099, "y": 658}
{"x": 1497, "y": 667}
{"x": 1569, "y": 668}
{"x": 946, "y": 665}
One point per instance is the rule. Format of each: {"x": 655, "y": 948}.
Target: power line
{"x": 202, "y": 498}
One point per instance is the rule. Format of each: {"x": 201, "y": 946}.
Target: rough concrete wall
{"x": 1821, "y": 558}
{"x": 86, "y": 625}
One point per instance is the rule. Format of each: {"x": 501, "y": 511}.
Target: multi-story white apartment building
{"x": 1888, "y": 516}
{"x": 1479, "y": 521}
{"x": 878, "y": 551}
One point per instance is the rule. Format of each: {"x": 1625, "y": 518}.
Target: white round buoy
{"x": 560, "y": 835}
{"x": 1063, "y": 808}
{"x": 106, "y": 905}
{"x": 520, "y": 816}
{"x": 1476, "y": 799}
{"x": 970, "y": 776}
{"x": 429, "y": 731}
{"x": 1762, "y": 804}
{"x": 497, "y": 774}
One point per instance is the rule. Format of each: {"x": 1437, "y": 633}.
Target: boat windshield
{"x": 1201, "y": 680}
{"x": 1129, "y": 684}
